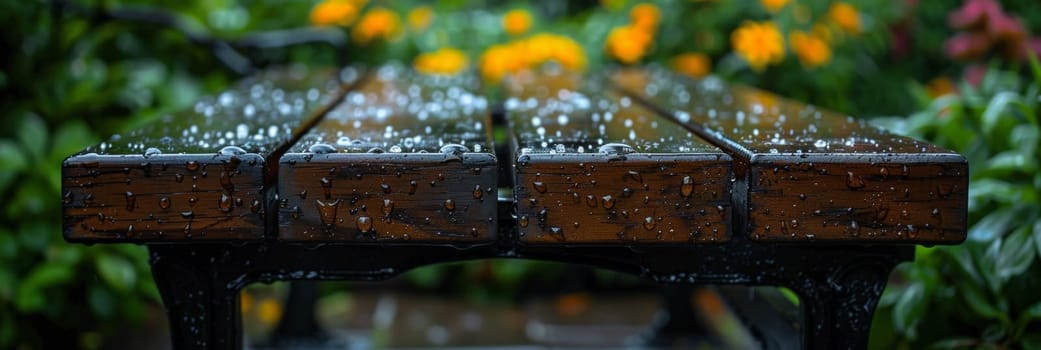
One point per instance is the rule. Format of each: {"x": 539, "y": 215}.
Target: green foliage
{"x": 983, "y": 293}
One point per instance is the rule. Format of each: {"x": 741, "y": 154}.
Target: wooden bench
{"x": 310, "y": 174}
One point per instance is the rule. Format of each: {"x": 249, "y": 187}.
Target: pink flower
{"x": 1006, "y": 28}
{"x": 974, "y": 13}
{"x": 967, "y": 46}
{"x": 974, "y": 74}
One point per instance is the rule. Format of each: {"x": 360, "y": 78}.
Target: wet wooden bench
{"x": 310, "y": 174}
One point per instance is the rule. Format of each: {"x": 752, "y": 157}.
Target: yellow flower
{"x": 940, "y": 86}
{"x": 498, "y": 60}
{"x": 444, "y": 61}
{"x": 335, "y": 12}
{"x": 516, "y": 22}
{"x": 645, "y": 17}
{"x": 774, "y": 5}
{"x": 544, "y": 47}
{"x": 758, "y": 43}
{"x": 246, "y": 302}
{"x": 378, "y": 23}
{"x": 812, "y": 51}
{"x": 628, "y": 44}
{"x": 845, "y": 16}
{"x": 269, "y": 311}
{"x": 693, "y": 64}
{"x": 420, "y": 18}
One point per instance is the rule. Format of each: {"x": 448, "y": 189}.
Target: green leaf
{"x": 14, "y": 161}
{"x": 117, "y": 272}
{"x": 32, "y": 134}
{"x": 102, "y": 302}
{"x": 70, "y": 138}
{"x": 29, "y": 296}
{"x": 955, "y": 343}
{"x": 1016, "y": 254}
{"x": 909, "y": 309}
{"x": 9, "y": 245}
{"x": 1031, "y": 314}
{"x": 993, "y": 225}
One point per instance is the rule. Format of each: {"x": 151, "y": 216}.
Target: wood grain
{"x": 405, "y": 159}
{"x": 595, "y": 168}
{"x": 199, "y": 174}
{"x": 806, "y": 174}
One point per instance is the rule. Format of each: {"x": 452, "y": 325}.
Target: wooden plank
{"x": 199, "y": 174}
{"x": 593, "y": 167}
{"x": 404, "y": 158}
{"x": 807, "y": 174}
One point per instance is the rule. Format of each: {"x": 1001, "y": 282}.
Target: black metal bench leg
{"x": 838, "y": 303}
{"x": 202, "y": 307}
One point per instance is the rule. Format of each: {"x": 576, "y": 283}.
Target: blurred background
{"x": 962, "y": 74}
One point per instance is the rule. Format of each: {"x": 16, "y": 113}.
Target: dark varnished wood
{"x": 199, "y": 174}
{"x": 405, "y": 158}
{"x": 594, "y": 167}
{"x": 806, "y": 174}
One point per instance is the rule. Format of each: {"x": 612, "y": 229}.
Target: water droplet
{"x": 225, "y": 203}
{"x": 152, "y": 151}
{"x": 853, "y": 181}
{"x": 327, "y": 186}
{"x": 187, "y": 214}
{"x": 557, "y": 231}
{"x": 449, "y": 204}
{"x": 364, "y": 223}
{"x": 327, "y": 212}
{"x": 231, "y": 151}
{"x": 179, "y": 178}
{"x": 539, "y": 186}
{"x": 477, "y": 192}
{"x": 412, "y": 187}
{"x": 591, "y": 201}
{"x": 616, "y": 149}
{"x": 802, "y": 196}
{"x": 648, "y": 223}
{"x": 385, "y": 188}
{"x": 523, "y": 221}
{"x": 375, "y": 150}
{"x": 255, "y": 206}
{"x": 454, "y": 149}
{"x": 191, "y": 165}
{"x": 687, "y": 187}
{"x": 607, "y": 201}
{"x": 636, "y": 176}
{"x": 131, "y": 200}
{"x": 388, "y": 207}
{"x": 321, "y": 148}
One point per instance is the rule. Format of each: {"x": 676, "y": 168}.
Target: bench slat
{"x": 595, "y": 167}
{"x": 404, "y": 158}
{"x": 808, "y": 174}
{"x": 199, "y": 174}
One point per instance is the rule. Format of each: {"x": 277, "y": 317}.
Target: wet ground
{"x": 375, "y": 317}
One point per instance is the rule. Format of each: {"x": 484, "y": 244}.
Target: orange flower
{"x": 758, "y": 43}
{"x": 335, "y": 12}
{"x": 628, "y": 44}
{"x": 693, "y": 64}
{"x": 516, "y": 22}
{"x": 846, "y": 17}
{"x": 645, "y": 16}
{"x": 378, "y": 23}
{"x": 444, "y": 61}
{"x": 773, "y": 5}
{"x": 940, "y": 86}
{"x": 420, "y": 18}
{"x": 812, "y": 51}
{"x": 269, "y": 311}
